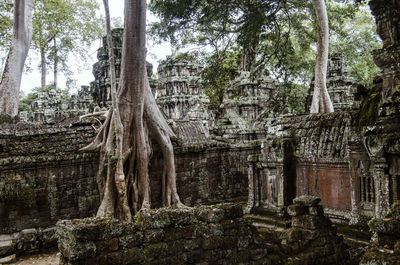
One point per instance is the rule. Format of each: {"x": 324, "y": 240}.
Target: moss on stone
{"x": 370, "y": 105}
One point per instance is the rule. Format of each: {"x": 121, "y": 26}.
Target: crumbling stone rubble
{"x": 312, "y": 239}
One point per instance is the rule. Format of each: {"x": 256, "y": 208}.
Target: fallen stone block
{"x": 9, "y": 259}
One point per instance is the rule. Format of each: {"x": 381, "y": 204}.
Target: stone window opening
{"x": 366, "y": 185}
{"x": 395, "y": 188}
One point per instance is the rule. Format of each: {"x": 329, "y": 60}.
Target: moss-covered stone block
{"x": 131, "y": 240}
{"x": 107, "y": 245}
{"x": 164, "y": 217}
{"x": 73, "y": 251}
{"x": 133, "y": 256}
{"x": 153, "y": 236}
{"x": 179, "y": 232}
{"x": 218, "y": 214}
{"x": 156, "y": 251}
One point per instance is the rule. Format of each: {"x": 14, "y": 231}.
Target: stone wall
{"x": 208, "y": 172}
{"x": 305, "y": 155}
{"x": 44, "y": 178}
{"x": 204, "y": 235}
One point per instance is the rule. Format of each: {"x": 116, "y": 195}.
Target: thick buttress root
{"x": 123, "y": 188}
{"x": 123, "y": 140}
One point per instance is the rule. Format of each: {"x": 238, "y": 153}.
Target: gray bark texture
{"x": 55, "y": 70}
{"x": 43, "y": 67}
{"x": 321, "y": 102}
{"x": 12, "y": 75}
{"x": 124, "y": 139}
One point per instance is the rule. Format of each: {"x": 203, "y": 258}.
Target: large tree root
{"x": 123, "y": 179}
{"x": 123, "y": 140}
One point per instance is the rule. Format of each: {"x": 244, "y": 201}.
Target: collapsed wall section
{"x": 203, "y": 235}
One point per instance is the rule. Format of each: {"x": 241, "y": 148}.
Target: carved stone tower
{"x": 180, "y": 93}
{"x": 101, "y": 87}
{"x": 341, "y": 86}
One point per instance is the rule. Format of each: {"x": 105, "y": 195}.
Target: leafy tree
{"x": 12, "y": 74}
{"x": 25, "y": 101}
{"x": 6, "y": 21}
{"x": 277, "y": 37}
{"x": 221, "y": 69}
{"x": 62, "y": 27}
{"x": 355, "y": 39}
{"x": 216, "y": 23}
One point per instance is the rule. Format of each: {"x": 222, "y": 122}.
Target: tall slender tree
{"x": 62, "y": 27}
{"x": 12, "y": 74}
{"x": 124, "y": 138}
{"x": 6, "y": 22}
{"x": 321, "y": 101}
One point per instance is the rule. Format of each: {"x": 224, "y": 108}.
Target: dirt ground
{"x": 39, "y": 259}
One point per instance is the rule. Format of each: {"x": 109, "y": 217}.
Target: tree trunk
{"x": 43, "y": 66}
{"x": 321, "y": 101}
{"x": 12, "y": 74}
{"x": 55, "y": 63}
{"x": 248, "y": 56}
{"x": 123, "y": 140}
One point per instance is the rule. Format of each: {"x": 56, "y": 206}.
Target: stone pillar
{"x": 253, "y": 184}
{"x": 388, "y": 27}
{"x": 381, "y": 179}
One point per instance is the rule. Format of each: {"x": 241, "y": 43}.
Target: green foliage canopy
{"x": 73, "y": 24}
{"x": 62, "y": 27}
{"x": 6, "y": 21}
{"x": 271, "y": 37}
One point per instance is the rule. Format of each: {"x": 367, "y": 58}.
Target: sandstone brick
{"x": 296, "y": 209}
{"x": 6, "y": 247}
{"x": 307, "y": 200}
{"x": 8, "y": 259}
{"x": 316, "y": 210}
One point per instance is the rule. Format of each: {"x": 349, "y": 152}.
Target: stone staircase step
{"x": 354, "y": 242}
{"x": 269, "y": 220}
{"x": 9, "y": 259}
{"x": 354, "y": 236}
{"x": 6, "y": 247}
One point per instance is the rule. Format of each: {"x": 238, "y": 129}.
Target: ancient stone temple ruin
{"x": 180, "y": 93}
{"x": 50, "y": 106}
{"x": 310, "y": 183}
{"x": 249, "y": 97}
{"x": 101, "y": 87}
{"x": 342, "y": 87}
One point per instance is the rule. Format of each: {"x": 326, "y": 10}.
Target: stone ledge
{"x": 210, "y": 234}
{"x": 27, "y": 241}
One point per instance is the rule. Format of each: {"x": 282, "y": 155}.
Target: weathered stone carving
{"x": 312, "y": 239}
{"x": 100, "y": 87}
{"x": 50, "y": 106}
{"x": 180, "y": 93}
{"x": 341, "y": 86}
